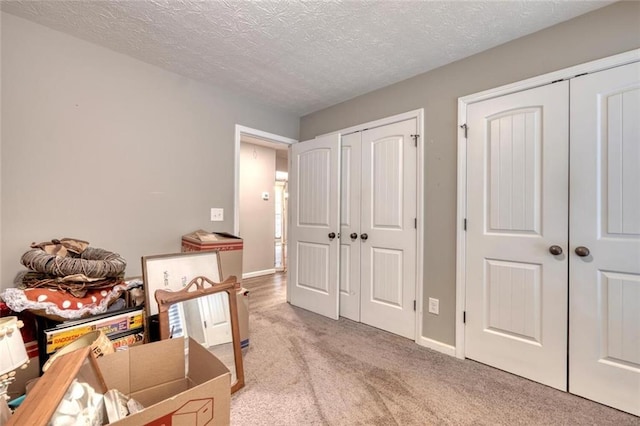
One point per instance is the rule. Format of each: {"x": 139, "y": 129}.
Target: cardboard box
{"x": 156, "y": 375}
{"x": 243, "y": 316}
{"x": 230, "y": 248}
{"x": 194, "y": 413}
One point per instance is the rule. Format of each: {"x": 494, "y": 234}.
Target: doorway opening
{"x": 281, "y": 205}
{"x": 260, "y": 218}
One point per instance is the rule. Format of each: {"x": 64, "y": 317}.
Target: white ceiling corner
{"x": 301, "y": 56}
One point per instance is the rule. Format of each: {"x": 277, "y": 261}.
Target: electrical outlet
{"x": 434, "y": 306}
{"x": 217, "y": 215}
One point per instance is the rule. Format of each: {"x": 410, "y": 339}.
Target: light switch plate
{"x": 434, "y": 306}
{"x": 217, "y": 215}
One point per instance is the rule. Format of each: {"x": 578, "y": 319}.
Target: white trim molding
{"x": 564, "y": 74}
{"x": 437, "y": 346}
{"x": 258, "y": 273}
{"x": 420, "y": 227}
{"x": 416, "y": 113}
{"x": 461, "y": 237}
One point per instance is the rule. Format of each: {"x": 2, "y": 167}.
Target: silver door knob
{"x": 555, "y": 250}
{"x": 332, "y": 235}
{"x": 364, "y": 237}
{"x": 582, "y": 251}
{"x": 354, "y": 236}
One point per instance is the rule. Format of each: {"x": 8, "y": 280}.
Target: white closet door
{"x": 314, "y": 200}
{"x": 350, "y": 227}
{"x": 517, "y": 209}
{"x": 387, "y": 230}
{"x": 604, "y": 351}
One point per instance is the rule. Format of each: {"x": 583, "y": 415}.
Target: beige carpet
{"x": 304, "y": 369}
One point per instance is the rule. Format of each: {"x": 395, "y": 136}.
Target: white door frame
{"x": 463, "y": 102}
{"x": 418, "y": 114}
{"x": 243, "y": 130}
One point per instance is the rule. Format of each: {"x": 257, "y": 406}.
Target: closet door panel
{"x": 604, "y": 350}
{"x": 314, "y": 203}
{"x": 517, "y": 209}
{"x": 388, "y": 234}
{"x": 349, "y": 225}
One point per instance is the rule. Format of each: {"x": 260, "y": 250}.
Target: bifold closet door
{"x": 517, "y": 226}
{"x": 516, "y": 294}
{"x": 388, "y": 218}
{"x": 604, "y": 350}
{"x": 314, "y": 244}
{"x": 378, "y": 227}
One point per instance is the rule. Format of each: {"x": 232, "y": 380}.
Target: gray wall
{"x": 99, "y": 146}
{"x": 257, "y": 216}
{"x": 604, "y": 32}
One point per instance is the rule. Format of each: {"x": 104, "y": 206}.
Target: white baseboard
{"x": 258, "y": 273}
{"x": 437, "y": 346}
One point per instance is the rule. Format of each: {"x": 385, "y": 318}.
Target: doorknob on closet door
{"x": 555, "y": 250}
{"x": 582, "y": 251}
{"x": 364, "y": 237}
{"x": 332, "y": 235}
{"x": 354, "y": 236}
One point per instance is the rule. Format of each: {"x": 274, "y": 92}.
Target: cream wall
{"x": 99, "y": 146}
{"x": 604, "y": 32}
{"x": 257, "y": 216}
{"x": 282, "y": 162}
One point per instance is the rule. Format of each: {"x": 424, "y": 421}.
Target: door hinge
{"x": 415, "y": 139}
{"x": 464, "y": 223}
{"x": 465, "y": 128}
{"x": 414, "y": 305}
{"x": 205, "y": 324}
{"x": 464, "y": 317}
{"x": 415, "y": 223}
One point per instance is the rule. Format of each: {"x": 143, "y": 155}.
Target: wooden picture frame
{"x": 203, "y": 287}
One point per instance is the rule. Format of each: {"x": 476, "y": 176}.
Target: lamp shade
{"x": 12, "y": 351}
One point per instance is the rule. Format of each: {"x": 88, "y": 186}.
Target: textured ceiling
{"x": 299, "y": 55}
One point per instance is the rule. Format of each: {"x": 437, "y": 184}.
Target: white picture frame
{"x": 174, "y": 271}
